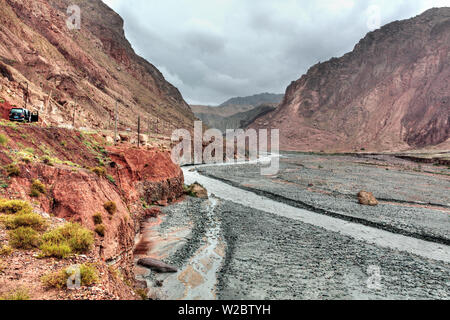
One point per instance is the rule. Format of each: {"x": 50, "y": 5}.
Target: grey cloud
{"x": 216, "y": 49}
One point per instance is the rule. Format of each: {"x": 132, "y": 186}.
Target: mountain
{"x": 92, "y": 67}
{"x": 237, "y": 120}
{"x": 391, "y": 93}
{"x": 226, "y": 111}
{"x": 238, "y": 112}
{"x": 254, "y": 100}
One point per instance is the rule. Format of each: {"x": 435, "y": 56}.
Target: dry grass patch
{"x": 6, "y": 251}
{"x": 110, "y": 207}
{"x": 12, "y": 170}
{"x": 100, "y": 230}
{"x": 87, "y": 272}
{"x": 24, "y": 238}
{"x": 37, "y": 188}
{"x": 97, "y": 218}
{"x": 14, "y": 206}
{"x": 32, "y": 220}
{"x": 18, "y": 294}
{"x": 66, "y": 240}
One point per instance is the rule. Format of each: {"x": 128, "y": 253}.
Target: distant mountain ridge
{"x": 237, "y": 112}
{"x": 235, "y": 121}
{"x": 254, "y": 100}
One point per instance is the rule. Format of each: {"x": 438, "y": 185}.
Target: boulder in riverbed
{"x": 157, "y": 265}
{"x": 367, "y": 199}
{"x": 196, "y": 190}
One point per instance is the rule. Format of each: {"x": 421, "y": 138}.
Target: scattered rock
{"x": 367, "y": 198}
{"x": 141, "y": 284}
{"x": 109, "y": 139}
{"x": 162, "y": 203}
{"x": 152, "y": 212}
{"x": 197, "y": 190}
{"x": 157, "y": 265}
{"x": 143, "y": 139}
{"x": 124, "y": 137}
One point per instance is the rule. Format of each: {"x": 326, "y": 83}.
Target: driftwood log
{"x": 156, "y": 265}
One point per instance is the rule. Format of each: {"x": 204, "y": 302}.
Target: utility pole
{"x": 49, "y": 101}
{"x": 25, "y": 95}
{"x": 139, "y": 131}
{"x": 115, "y": 124}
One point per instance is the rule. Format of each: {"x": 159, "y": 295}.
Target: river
{"x": 241, "y": 245}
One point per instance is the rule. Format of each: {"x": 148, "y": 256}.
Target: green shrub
{"x": 142, "y": 293}
{"x": 59, "y": 250}
{"x": 37, "y": 188}
{"x": 32, "y": 220}
{"x": 100, "y": 230}
{"x": 111, "y": 179}
{"x": 97, "y": 218}
{"x": 88, "y": 276}
{"x": 3, "y": 139}
{"x": 6, "y": 251}
{"x": 47, "y": 160}
{"x": 14, "y": 206}
{"x": 12, "y": 170}
{"x": 110, "y": 207}
{"x": 29, "y": 150}
{"x": 70, "y": 235}
{"x": 101, "y": 172}
{"x": 18, "y": 294}
{"x": 24, "y": 238}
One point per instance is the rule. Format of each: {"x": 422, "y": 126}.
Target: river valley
{"x": 303, "y": 235}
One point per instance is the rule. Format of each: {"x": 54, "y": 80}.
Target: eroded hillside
{"x": 86, "y": 69}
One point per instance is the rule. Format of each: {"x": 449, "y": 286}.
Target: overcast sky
{"x": 213, "y": 50}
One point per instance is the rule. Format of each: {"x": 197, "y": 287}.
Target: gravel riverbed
{"x": 226, "y": 250}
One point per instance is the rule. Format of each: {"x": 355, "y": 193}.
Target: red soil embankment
{"x": 75, "y": 193}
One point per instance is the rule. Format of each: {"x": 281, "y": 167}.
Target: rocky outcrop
{"x": 91, "y": 67}
{"x": 391, "y": 93}
{"x": 146, "y": 174}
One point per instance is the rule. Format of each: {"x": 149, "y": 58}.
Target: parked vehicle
{"x": 23, "y": 115}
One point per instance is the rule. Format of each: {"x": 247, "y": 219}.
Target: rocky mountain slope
{"x": 391, "y": 93}
{"x": 90, "y": 68}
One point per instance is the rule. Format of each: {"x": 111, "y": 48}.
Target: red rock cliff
{"x": 392, "y": 92}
